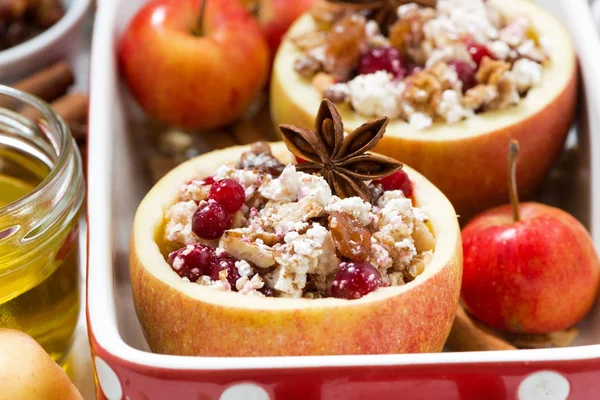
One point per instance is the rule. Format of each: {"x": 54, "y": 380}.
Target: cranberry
{"x": 225, "y": 262}
{"x": 300, "y": 160}
{"x": 192, "y": 261}
{"x": 210, "y": 220}
{"x": 229, "y": 194}
{"x": 466, "y": 73}
{"x": 355, "y": 279}
{"x": 399, "y": 180}
{"x": 386, "y": 59}
{"x": 209, "y": 180}
{"x": 478, "y": 51}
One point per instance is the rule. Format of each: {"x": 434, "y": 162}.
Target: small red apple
{"x": 529, "y": 268}
{"x": 191, "y": 66}
{"x": 276, "y": 16}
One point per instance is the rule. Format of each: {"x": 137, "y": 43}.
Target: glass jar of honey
{"x": 41, "y": 196}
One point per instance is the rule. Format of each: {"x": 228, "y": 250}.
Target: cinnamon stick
{"x": 48, "y": 84}
{"x": 467, "y": 336}
{"x": 72, "y": 107}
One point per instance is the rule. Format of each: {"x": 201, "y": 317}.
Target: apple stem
{"x": 200, "y": 27}
{"x": 513, "y": 151}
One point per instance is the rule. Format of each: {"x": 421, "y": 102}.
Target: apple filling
{"x": 263, "y": 228}
{"x": 421, "y": 64}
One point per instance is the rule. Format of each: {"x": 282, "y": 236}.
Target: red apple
{"x": 276, "y": 16}
{"x": 179, "y": 318}
{"x": 529, "y": 268}
{"x": 194, "y": 76}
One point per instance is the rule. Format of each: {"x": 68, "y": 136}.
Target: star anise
{"x": 384, "y": 12}
{"x": 343, "y": 162}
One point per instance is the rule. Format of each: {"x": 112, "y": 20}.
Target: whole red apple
{"x": 529, "y": 269}
{"x": 191, "y": 69}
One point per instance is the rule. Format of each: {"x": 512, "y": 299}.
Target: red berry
{"x": 300, "y": 160}
{"x": 225, "y": 262}
{"x": 355, "y": 279}
{"x": 477, "y": 51}
{"x": 209, "y": 180}
{"x": 399, "y": 180}
{"x": 192, "y": 261}
{"x": 466, "y": 73}
{"x": 386, "y": 59}
{"x": 229, "y": 194}
{"x": 210, "y": 220}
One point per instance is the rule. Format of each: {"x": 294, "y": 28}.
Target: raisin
{"x": 351, "y": 239}
{"x": 345, "y": 43}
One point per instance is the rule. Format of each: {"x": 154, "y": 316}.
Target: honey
{"x": 41, "y": 193}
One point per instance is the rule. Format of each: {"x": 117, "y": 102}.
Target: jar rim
{"x": 64, "y": 150}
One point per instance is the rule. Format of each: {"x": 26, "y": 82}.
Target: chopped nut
{"x": 423, "y": 94}
{"x": 307, "y": 66}
{"x": 321, "y": 81}
{"x": 261, "y": 159}
{"x": 326, "y": 13}
{"x": 424, "y": 240}
{"x": 490, "y": 71}
{"x": 418, "y": 265}
{"x": 237, "y": 219}
{"x": 244, "y": 246}
{"x": 408, "y": 36}
{"x": 310, "y": 40}
{"x": 338, "y": 93}
{"x": 497, "y": 74}
{"x": 479, "y": 97}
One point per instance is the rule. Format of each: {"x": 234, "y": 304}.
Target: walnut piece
{"x": 310, "y": 40}
{"x": 248, "y": 246}
{"x": 479, "y": 97}
{"x": 307, "y": 67}
{"x": 496, "y": 73}
{"x": 408, "y": 36}
{"x": 422, "y": 94}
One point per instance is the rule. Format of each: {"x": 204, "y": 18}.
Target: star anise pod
{"x": 343, "y": 162}
{"x": 384, "y": 12}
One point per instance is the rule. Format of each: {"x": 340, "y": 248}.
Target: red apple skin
{"x": 538, "y": 275}
{"x": 196, "y": 82}
{"x": 276, "y": 16}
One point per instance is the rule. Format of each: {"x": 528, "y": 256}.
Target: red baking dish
{"x": 126, "y": 369}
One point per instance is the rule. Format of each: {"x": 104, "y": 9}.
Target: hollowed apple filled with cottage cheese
{"x": 458, "y": 79}
{"x": 262, "y": 228}
{"x": 238, "y": 253}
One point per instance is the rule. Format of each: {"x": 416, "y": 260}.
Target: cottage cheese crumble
{"x": 430, "y": 45}
{"x": 285, "y": 240}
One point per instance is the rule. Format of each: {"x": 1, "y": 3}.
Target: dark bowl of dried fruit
{"x": 35, "y": 33}
{"x": 249, "y": 251}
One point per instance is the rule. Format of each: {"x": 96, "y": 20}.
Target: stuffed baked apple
{"x": 458, "y": 79}
{"x": 241, "y": 252}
